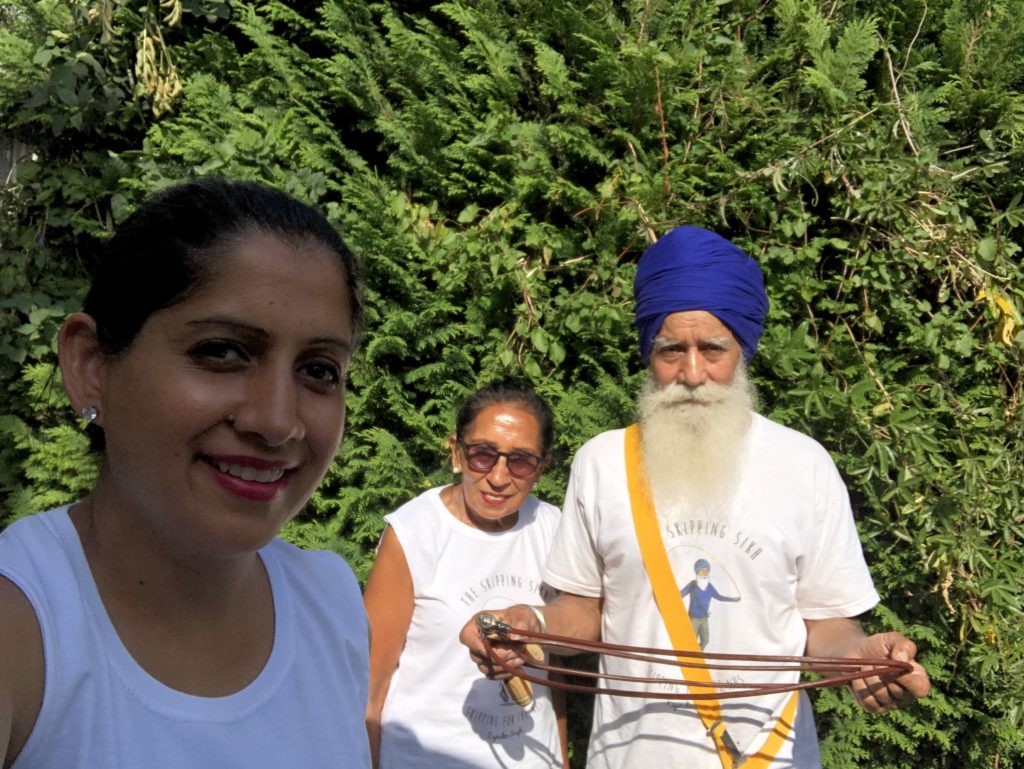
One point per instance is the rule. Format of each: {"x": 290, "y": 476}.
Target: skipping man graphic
{"x": 701, "y": 593}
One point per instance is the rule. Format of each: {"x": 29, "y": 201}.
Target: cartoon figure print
{"x": 701, "y": 592}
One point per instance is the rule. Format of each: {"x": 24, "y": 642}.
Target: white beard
{"x": 693, "y": 440}
{"x": 702, "y": 583}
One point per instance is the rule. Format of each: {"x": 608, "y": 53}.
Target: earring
{"x": 456, "y": 469}
{"x": 89, "y": 413}
{"x": 231, "y": 419}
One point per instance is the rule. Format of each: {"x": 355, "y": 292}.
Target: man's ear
{"x": 82, "y": 363}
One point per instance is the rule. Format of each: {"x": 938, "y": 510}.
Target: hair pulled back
{"x": 508, "y": 391}
{"x": 178, "y": 238}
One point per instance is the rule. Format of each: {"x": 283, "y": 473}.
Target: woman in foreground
{"x": 158, "y": 622}
{"x": 451, "y": 552}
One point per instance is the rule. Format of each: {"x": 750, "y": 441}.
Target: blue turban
{"x": 691, "y": 268}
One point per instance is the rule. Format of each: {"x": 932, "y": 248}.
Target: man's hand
{"x": 843, "y": 637}
{"x": 575, "y": 616}
{"x": 509, "y": 654}
{"x": 880, "y": 695}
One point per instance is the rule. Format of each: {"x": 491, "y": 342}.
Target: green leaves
{"x": 500, "y": 167}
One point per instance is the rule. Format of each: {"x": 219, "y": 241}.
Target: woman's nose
{"x": 499, "y": 474}
{"x": 271, "y": 409}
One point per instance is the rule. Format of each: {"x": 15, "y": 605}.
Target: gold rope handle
{"x": 519, "y": 689}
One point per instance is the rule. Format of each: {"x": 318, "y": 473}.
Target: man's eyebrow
{"x": 662, "y": 343}
{"x": 721, "y": 341}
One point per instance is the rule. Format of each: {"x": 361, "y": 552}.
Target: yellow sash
{"x": 677, "y": 622}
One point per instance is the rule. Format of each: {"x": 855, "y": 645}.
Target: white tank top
{"x": 100, "y": 709}
{"x": 440, "y": 712}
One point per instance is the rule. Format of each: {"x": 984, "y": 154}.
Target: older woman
{"x": 158, "y": 622}
{"x": 451, "y": 552}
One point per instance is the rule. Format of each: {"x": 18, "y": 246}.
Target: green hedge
{"x": 500, "y": 166}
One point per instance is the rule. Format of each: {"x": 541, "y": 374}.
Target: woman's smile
{"x": 493, "y": 499}
{"x": 252, "y": 478}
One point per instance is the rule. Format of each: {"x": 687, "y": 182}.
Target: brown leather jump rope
{"x": 831, "y": 671}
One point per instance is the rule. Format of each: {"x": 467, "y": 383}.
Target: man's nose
{"x": 692, "y": 369}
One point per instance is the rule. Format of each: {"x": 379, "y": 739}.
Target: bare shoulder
{"x": 390, "y": 570}
{"x": 21, "y": 670}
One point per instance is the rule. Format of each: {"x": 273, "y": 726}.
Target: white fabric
{"x": 440, "y": 711}
{"x": 789, "y": 551}
{"x": 100, "y": 709}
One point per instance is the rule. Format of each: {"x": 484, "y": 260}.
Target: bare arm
{"x": 21, "y": 671}
{"x": 571, "y": 615}
{"x": 389, "y": 605}
{"x": 576, "y": 616}
{"x": 846, "y": 638}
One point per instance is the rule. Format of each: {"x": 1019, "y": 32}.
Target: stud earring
{"x": 456, "y": 469}
{"x": 231, "y": 419}
{"x": 89, "y": 413}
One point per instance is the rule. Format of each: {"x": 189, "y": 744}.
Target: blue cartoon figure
{"x": 701, "y": 593}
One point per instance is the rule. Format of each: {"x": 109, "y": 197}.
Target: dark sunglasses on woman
{"x": 481, "y": 458}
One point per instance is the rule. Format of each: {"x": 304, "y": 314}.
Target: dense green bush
{"x": 500, "y": 166}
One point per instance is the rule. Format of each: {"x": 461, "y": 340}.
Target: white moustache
{"x": 675, "y": 398}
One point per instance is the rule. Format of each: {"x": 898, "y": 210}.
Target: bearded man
{"x": 705, "y": 478}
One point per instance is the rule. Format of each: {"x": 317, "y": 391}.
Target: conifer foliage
{"x": 500, "y": 166}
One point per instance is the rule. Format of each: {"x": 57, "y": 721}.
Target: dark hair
{"x": 508, "y": 391}
{"x": 174, "y": 242}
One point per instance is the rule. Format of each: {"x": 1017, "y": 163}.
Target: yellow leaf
{"x": 1008, "y": 321}
{"x": 1007, "y": 307}
{"x": 1007, "y": 327}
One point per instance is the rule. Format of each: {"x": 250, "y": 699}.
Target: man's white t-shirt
{"x": 788, "y": 550}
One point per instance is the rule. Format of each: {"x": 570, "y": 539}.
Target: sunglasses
{"x": 481, "y": 458}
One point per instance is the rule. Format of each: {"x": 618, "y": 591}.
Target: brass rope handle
{"x": 518, "y": 687}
